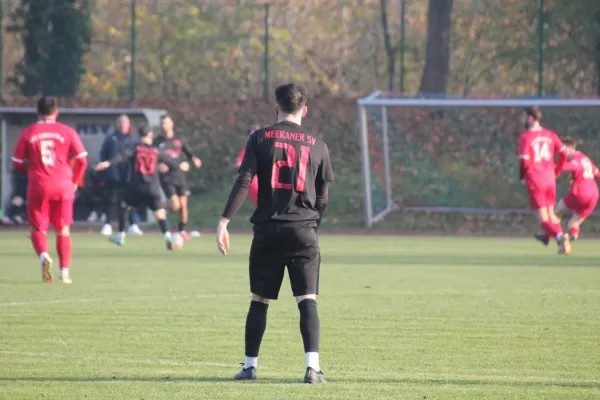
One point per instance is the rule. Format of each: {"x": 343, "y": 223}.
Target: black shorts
{"x": 153, "y": 198}
{"x": 275, "y": 247}
{"x": 175, "y": 187}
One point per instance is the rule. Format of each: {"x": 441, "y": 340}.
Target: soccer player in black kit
{"x": 294, "y": 171}
{"x": 143, "y": 187}
{"x": 173, "y": 181}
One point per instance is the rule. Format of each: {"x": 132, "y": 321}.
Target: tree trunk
{"x": 390, "y": 50}
{"x": 437, "y": 56}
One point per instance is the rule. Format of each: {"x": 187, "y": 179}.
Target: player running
{"x": 173, "y": 181}
{"x": 144, "y": 185}
{"x": 253, "y": 191}
{"x": 537, "y": 147}
{"x": 294, "y": 171}
{"x": 43, "y": 151}
{"x": 583, "y": 195}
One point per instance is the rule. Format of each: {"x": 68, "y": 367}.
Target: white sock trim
{"x": 312, "y": 361}
{"x": 250, "y": 362}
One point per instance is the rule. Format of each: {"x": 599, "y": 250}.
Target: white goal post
{"x": 375, "y": 114}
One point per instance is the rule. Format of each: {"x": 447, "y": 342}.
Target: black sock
{"x": 310, "y": 326}
{"x": 256, "y": 323}
{"x": 181, "y": 226}
{"x": 163, "y": 225}
{"x": 123, "y": 213}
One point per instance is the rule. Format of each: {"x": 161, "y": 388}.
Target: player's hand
{"x": 184, "y": 166}
{"x": 223, "y": 236}
{"x": 102, "y": 166}
{"x": 197, "y": 162}
{"x": 75, "y": 187}
{"x": 163, "y": 168}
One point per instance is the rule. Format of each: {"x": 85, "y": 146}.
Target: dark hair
{"x": 290, "y": 97}
{"x": 568, "y": 141}
{"x": 162, "y": 117}
{"x": 534, "y": 112}
{"x": 46, "y": 106}
{"x": 144, "y": 130}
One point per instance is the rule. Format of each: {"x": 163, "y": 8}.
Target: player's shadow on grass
{"x": 353, "y": 380}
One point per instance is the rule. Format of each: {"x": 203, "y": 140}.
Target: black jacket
{"x": 114, "y": 144}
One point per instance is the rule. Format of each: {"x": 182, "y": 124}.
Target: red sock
{"x": 558, "y": 228}
{"x": 63, "y": 248}
{"x": 39, "y": 240}
{"x": 574, "y": 231}
{"x": 551, "y": 229}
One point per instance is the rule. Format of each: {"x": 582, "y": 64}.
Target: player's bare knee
{"x": 160, "y": 213}
{"x": 299, "y": 299}
{"x": 175, "y": 205}
{"x": 260, "y": 299}
{"x": 64, "y": 231}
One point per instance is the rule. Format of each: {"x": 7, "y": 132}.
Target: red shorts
{"x": 581, "y": 204}
{"x": 45, "y": 205}
{"x": 253, "y": 191}
{"x": 541, "y": 194}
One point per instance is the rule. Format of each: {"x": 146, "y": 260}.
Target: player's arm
{"x": 80, "y": 157}
{"x": 242, "y": 183}
{"x": 523, "y": 157}
{"x": 119, "y": 158}
{"x": 20, "y": 156}
{"x": 561, "y": 150}
{"x": 324, "y": 177}
{"x": 190, "y": 154}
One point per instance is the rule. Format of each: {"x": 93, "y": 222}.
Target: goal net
{"x": 456, "y": 155}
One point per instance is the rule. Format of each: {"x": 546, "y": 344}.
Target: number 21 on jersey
{"x": 541, "y": 152}
{"x": 290, "y": 162}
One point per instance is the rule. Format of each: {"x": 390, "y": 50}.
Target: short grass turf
{"x": 401, "y": 318}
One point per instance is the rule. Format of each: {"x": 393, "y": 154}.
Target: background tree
{"x": 56, "y": 35}
{"x": 437, "y": 55}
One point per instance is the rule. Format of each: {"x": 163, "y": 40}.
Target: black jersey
{"x": 144, "y": 160}
{"x": 174, "y": 147}
{"x": 290, "y": 163}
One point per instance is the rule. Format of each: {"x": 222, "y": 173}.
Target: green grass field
{"x": 401, "y": 318}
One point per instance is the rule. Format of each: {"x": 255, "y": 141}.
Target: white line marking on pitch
{"x": 119, "y": 359}
{"x": 133, "y": 298}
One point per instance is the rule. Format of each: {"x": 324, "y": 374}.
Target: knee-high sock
{"x": 63, "y": 248}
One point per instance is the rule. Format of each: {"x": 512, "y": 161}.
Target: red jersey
{"x": 536, "y": 153}
{"x": 584, "y": 174}
{"x": 47, "y": 146}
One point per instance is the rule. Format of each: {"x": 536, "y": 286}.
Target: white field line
{"x": 119, "y": 359}
{"x": 133, "y": 298}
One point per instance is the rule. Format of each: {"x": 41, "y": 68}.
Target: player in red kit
{"x": 253, "y": 191}
{"x": 43, "y": 151}
{"x": 537, "y": 171}
{"x": 583, "y": 195}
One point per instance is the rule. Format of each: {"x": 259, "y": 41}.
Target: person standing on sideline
{"x": 116, "y": 176}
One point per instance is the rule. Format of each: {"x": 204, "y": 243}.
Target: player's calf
{"x": 310, "y": 330}
{"x": 161, "y": 218}
{"x": 64, "y": 250}
{"x": 256, "y": 323}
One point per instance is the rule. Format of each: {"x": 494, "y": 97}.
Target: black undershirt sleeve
{"x": 238, "y": 193}
{"x": 322, "y": 191}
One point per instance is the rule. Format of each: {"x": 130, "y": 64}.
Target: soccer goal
{"x": 456, "y": 155}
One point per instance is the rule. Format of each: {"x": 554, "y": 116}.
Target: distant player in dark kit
{"x": 173, "y": 181}
{"x": 294, "y": 171}
{"x": 144, "y": 186}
